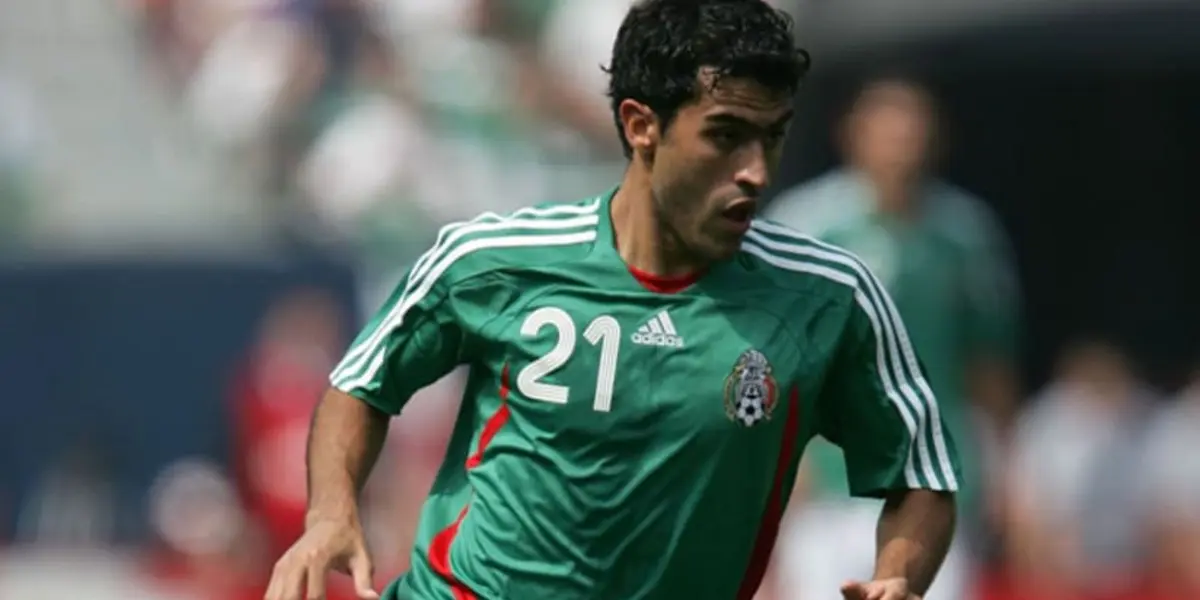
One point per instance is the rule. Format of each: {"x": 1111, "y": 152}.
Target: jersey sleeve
{"x": 877, "y": 406}
{"x": 414, "y": 339}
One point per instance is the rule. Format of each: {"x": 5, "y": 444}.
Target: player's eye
{"x": 726, "y": 139}
{"x": 774, "y": 138}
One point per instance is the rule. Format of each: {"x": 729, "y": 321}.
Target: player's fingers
{"x": 362, "y": 572}
{"x": 287, "y": 581}
{"x": 882, "y": 593}
{"x": 316, "y": 581}
{"x": 853, "y": 590}
{"x": 272, "y": 592}
{"x": 879, "y": 591}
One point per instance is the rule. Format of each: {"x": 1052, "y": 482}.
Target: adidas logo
{"x": 658, "y": 331}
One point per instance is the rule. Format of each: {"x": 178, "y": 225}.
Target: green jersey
{"x": 627, "y": 437}
{"x": 949, "y": 272}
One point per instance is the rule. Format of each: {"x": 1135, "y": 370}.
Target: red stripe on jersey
{"x": 664, "y": 285}
{"x": 439, "y": 558}
{"x": 769, "y": 528}
{"x": 439, "y": 546}
{"x": 493, "y": 425}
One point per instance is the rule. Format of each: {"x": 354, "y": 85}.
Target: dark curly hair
{"x": 663, "y": 44}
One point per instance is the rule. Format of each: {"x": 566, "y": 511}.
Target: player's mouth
{"x": 739, "y": 214}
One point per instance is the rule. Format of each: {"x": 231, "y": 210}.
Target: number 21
{"x": 603, "y": 330}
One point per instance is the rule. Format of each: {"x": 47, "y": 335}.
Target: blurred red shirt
{"x": 274, "y": 398}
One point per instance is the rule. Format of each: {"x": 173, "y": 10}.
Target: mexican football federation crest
{"x": 750, "y": 390}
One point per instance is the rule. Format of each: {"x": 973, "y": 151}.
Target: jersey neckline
{"x": 606, "y": 241}
{"x": 663, "y": 284}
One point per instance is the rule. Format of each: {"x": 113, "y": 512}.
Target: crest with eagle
{"x": 750, "y": 390}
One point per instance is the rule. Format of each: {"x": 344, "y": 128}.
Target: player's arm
{"x": 878, "y": 407}
{"x": 913, "y": 537}
{"x": 412, "y": 341}
{"x": 343, "y": 445}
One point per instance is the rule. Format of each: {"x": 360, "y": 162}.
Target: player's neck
{"x": 896, "y": 194}
{"x": 641, "y": 240}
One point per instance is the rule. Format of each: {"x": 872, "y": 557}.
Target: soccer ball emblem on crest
{"x": 750, "y": 391}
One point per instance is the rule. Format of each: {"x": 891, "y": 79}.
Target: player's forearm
{"x": 343, "y": 443}
{"x": 915, "y": 530}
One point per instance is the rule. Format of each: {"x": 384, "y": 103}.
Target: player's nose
{"x": 752, "y": 182}
{"x": 753, "y": 175}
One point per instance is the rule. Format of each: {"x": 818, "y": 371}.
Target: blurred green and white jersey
{"x": 949, "y": 271}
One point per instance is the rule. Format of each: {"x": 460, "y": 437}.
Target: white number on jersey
{"x": 603, "y": 330}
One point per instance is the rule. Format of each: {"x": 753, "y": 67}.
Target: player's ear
{"x": 640, "y": 125}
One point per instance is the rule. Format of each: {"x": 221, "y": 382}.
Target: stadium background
{"x": 199, "y": 200}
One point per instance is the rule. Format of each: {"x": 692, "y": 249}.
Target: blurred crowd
{"x": 363, "y": 125}
{"x": 367, "y": 123}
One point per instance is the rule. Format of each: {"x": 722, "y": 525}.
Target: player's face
{"x": 714, "y": 160}
{"x": 890, "y": 129}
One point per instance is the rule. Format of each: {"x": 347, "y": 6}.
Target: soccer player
{"x": 647, "y": 365}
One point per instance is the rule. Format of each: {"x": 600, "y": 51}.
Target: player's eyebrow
{"x": 732, "y": 119}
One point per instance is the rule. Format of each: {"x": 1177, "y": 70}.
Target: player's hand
{"x": 883, "y": 589}
{"x": 300, "y": 573}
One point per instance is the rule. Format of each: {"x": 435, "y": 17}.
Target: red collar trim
{"x": 664, "y": 285}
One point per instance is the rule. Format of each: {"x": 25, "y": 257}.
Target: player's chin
{"x": 724, "y": 247}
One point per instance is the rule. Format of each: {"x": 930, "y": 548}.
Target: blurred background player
{"x": 1077, "y": 496}
{"x": 945, "y": 261}
{"x": 273, "y": 397}
{"x": 1171, "y": 511}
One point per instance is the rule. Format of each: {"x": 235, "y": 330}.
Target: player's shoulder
{"x": 963, "y": 215}
{"x": 792, "y": 260}
{"x": 539, "y": 234}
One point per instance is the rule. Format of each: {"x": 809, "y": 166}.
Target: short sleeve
{"x": 877, "y": 406}
{"x": 412, "y": 340}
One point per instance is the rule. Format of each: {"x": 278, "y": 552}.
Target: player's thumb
{"x": 362, "y": 571}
